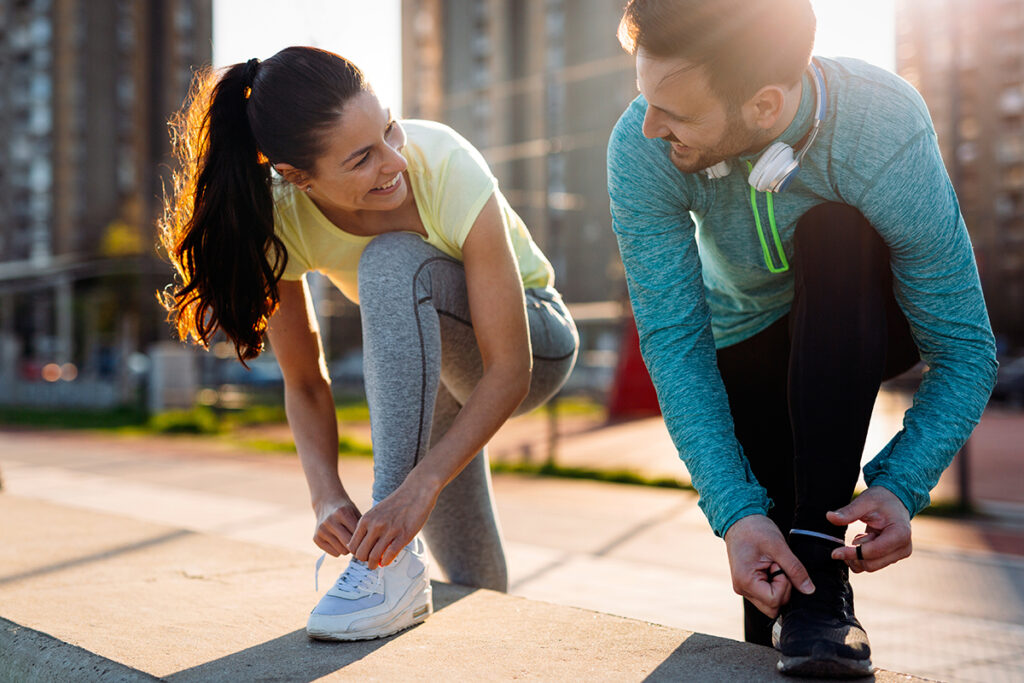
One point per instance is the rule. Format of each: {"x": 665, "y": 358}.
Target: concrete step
{"x": 86, "y": 595}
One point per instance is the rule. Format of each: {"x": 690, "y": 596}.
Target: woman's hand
{"x": 388, "y": 526}
{"x": 335, "y": 522}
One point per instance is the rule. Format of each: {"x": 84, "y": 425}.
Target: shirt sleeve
{"x": 298, "y": 263}
{"x": 296, "y": 266}
{"x": 911, "y": 203}
{"x": 465, "y": 183}
{"x": 650, "y": 216}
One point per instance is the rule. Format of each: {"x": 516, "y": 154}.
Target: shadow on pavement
{"x": 701, "y": 658}
{"x": 295, "y": 657}
{"x": 97, "y": 557}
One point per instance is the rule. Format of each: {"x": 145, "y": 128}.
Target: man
{"x": 771, "y": 303}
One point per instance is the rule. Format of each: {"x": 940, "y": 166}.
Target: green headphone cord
{"x": 760, "y": 230}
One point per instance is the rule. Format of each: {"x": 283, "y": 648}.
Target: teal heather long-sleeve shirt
{"x": 698, "y": 279}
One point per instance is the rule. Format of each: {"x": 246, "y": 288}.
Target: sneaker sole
{"x": 817, "y": 667}
{"x": 421, "y": 607}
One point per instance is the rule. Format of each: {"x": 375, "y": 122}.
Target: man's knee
{"x": 837, "y": 238}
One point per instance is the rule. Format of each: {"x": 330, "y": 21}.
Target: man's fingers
{"x": 767, "y": 596}
{"x": 864, "y": 538}
{"x": 767, "y": 610}
{"x": 893, "y": 541}
{"x": 892, "y": 545}
{"x": 795, "y": 571}
{"x": 859, "y": 508}
{"x": 849, "y": 513}
{"x": 876, "y": 563}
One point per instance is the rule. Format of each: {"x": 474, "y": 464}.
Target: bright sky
{"x": 369, "y": 33}
{"x": 863, "y": 29}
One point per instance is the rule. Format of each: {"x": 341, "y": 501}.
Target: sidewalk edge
{"x": 31, "y": 656}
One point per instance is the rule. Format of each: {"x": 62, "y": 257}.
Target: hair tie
{"x": 249, "y": 75}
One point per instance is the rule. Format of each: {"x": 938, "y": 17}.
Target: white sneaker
{"x": 367, "y": 603}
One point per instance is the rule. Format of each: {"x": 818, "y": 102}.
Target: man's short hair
{"x": 743, "y": 45}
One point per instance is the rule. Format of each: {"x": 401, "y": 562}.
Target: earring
{"x": 308, "y": 188}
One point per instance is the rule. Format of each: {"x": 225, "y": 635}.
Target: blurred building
{"x": 537, "y": 86}
{"x": 966, "y": 57}
{"x": 86, "y": 89}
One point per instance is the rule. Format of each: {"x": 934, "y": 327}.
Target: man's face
{"x": 683, "y": 110}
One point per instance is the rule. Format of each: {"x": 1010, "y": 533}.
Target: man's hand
{"x": 887, "y": 537}
{"x": 335, "y": 522}
{"x": 757, "y": 550}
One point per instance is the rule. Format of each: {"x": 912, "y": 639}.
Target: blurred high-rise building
{"x": 86, "y": 89}
{"x": 537, "y": 86}
{"x": 966, "y": 58}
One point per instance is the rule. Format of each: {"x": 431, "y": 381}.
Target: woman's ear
{"x": 293, "y": 175}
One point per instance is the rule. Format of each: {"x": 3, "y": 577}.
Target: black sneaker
{"x": 818, "y": 635}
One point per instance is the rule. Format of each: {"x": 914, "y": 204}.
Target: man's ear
{"x": 765, "y": 107}
{"x": 293, "y": 175}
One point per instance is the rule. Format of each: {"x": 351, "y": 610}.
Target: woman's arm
{"x": 498, "y": 310}
{"x": 309, "y": 403}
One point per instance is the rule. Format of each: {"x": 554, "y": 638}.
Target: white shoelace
{"x": 817, "y": 534}
{"x": 356, "y": 576}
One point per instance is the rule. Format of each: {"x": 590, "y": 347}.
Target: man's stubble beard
{"x": 736, "y": 140}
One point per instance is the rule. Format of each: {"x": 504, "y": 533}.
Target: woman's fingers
{"x": 328, "y": 542}
{"x": 357, "y": 544}
{"x": 392, "y": 550}
{"x": 376, "y": 554}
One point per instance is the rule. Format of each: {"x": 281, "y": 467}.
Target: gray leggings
{"x": 421, "y": 362}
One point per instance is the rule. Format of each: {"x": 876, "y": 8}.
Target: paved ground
{"x": 995, "y": 463}
{"x": 128, "y": 600}
{"x": 954, "y": 611}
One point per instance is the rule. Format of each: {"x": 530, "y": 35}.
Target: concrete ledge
{"x": 130, "y": 600}
{"x": 32, "y": 657}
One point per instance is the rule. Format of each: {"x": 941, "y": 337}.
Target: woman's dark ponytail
{"x": 218, "y": 223}
{"x": 218, "y": 228}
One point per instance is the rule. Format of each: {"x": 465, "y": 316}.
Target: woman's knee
{"x": 384, "y": 251}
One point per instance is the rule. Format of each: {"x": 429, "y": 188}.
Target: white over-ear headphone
{"x": 779, "y": 164}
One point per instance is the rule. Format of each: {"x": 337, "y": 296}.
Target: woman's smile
{"x": 388, "y": 187}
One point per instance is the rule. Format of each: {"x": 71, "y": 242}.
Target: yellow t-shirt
{"x": 451, "y": 183}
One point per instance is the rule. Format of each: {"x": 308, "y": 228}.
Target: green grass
{"x": 353, "y": 411}
{"x": 950, "y": 509}
{"x": 589, "y": 473}
{"x": 256, "y": 415}
{"x": 573, "y": 406}
{"x": 205, "y": 421}
{"x": 349, "y": 446}
{"x": 73, "y": 418}
{"x": 346, "y": 446}
{"x": 198, "y": 420}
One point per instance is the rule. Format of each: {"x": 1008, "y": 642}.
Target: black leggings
{"x": 801, "y": 391}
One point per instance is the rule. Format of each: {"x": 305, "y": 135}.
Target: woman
{"x": 461, "y": 325}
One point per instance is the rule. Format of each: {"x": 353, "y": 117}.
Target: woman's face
{"x": 361, "y": 167}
